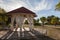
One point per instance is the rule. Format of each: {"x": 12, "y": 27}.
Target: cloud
{"x": 1, "y": 1}
{"x": 9, "y": 5}
{"x": 12, "y": 4}
{"x": 43, "y": 5}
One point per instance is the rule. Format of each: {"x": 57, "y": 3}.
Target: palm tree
{"x": 58, "y": 7}
{"x": 43, "y": 20}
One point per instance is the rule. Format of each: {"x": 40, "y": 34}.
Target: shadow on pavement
{"x": 38, "y": 36}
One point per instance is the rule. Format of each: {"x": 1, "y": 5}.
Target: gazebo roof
{"x": 22, "y": 10}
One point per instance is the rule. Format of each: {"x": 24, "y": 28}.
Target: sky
{"x": 40, "y": 7}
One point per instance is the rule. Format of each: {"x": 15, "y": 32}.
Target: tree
{"x": 49, "y": 19}
{"x": 43, "y": 20}
{"x": 58, "y": 6}
{"x": 3, "y": 17}
{"x": 2, "y": 11}
{"x": 55, "y": 20}
{"x": 37, "y": 21}
{"x": 26, "y": 22}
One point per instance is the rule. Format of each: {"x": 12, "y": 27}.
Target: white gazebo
{"x": 19, "y": 15}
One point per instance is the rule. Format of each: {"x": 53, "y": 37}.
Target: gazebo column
{"x": 12, "y": 27}
{"x": 17, "y": 24}
{"x": 21, "y": 25}
{"x": 31, "y": 24}
{"x": 12, "y": 23}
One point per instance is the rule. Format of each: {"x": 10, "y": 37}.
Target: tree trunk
{"x": 55, "y": 24}
{"x": 43, "y": 24}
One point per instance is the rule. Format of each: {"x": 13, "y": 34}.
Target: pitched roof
{"x": 22, "y": 10}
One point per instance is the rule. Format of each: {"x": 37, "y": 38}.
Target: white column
{"x": 12, "y": 22}
{"x": 17, "y": 24}
{"x": 30, "y": 21}
{"x": 21, "y": 24}
{"x": 12, "y": 27}
{"x": 19, "y": 21}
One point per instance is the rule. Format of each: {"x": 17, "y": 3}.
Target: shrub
{"x": 37, "y": 24}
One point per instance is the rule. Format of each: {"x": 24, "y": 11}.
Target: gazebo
{"x": 19, "y": 15}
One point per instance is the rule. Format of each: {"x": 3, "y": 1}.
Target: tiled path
{"x": 27, "y": 35}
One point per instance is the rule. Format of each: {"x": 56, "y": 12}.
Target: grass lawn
{"x": 53, "y": 32}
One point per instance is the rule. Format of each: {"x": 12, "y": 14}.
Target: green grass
{"x": 52, "y": 31}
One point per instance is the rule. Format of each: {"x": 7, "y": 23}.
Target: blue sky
{"x": 40, "y": 7}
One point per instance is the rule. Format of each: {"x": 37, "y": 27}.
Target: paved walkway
{"x": 25, "y": 35}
